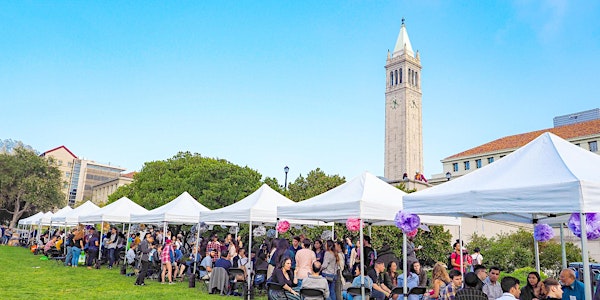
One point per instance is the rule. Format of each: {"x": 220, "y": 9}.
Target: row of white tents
{"x": 545, "y": 179}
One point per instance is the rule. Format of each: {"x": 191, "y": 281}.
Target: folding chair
{"x": 272, "y": 286}
{"x": 203, "y": 269}
{"x": 312, "y": 293}
{"x": 237, "y": 273}
{"x": 417, "y": 290}
{"x": 355, "y": 291}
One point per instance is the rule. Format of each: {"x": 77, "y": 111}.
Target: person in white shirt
{"x": 477, "y": 257}
{"x": 491, "y": 287}
{"x": 510, "y": 287}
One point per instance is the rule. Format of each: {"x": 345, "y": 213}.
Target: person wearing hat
{"x": 166, "y": 258}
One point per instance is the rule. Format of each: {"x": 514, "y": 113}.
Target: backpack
{"x": 450, "y": 267}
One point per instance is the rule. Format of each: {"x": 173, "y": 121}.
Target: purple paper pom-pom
{"x": 592, "y": 225}
{"x": 543, "y": 232}
{"x": 407, "y": 222}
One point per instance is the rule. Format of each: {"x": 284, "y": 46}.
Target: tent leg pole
{"x": 536, "y": 247}
{"x": 101, "y": 242}
{"x": 197, "y": 248}
{"x": 460, "y": 243}
{"x": 584, "y": 256}
{"x": 249, "y": 254}
{"x": 563, "y": 246}
{"x": 126, "y": 243}
{"x": 404, "y": 267}
{"x": 362, "y": 260}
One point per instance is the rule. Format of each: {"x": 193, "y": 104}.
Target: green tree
{"x": 315, "y": 183}
{"x": 28, "y": 182}
{"x": 214, "y": 182}
{"x": 274, "y": 184}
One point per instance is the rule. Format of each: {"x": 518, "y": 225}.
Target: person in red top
{"x": 214, "y": 245}
{"x": 467, "y": 260}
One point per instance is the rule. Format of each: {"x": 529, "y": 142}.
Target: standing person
{"x": 449, "y": 292}
{"x": 330, "y": 268}
{"x": 456, "y": 258}
{"x": 77, "y": 245}
{"x": 491, "y": 286}
{"x": 296, "y": 245}
{"x": 316, "y": 281}
{"x": 214, "y": 244}
{"x": 112, "y": 246}
{"x": 470, "y": 291}
{"x": 572, "y": 289}
{"x": 319, "y": 252}
{"x": 531, "y": 291}
{"x": 166, "y": 259}
{"x": 304, "y": 259}
{"x": 554, "y": 290}
{"x": 145, "y": 247}
{"x": 92, "y": 248}
{"x": 510, "y": 287}
{"x": 370, "y": 255}
{"x": 271, "y": 257}
{"x": 476, "y": 257}
{"x": 341, "y": 262}
{"x": 69, "y": 245}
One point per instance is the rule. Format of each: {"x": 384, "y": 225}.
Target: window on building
{"x": 455, "y": 167}
{"x": 478, "y": 163}
{"x": 396, "y": 73}
{"x": 467, "y": 165}
{"x": 400, "y": 75}
{"x": 67, "y": 174}
{"x": 391, "y": 78}
{"x": 593, "y": 146}
{"x": 490, "y": 160}
{"x": 416, "y": 79}
{"x": 69, "y": 164}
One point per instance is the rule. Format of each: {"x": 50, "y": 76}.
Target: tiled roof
{"x": 63, "y": 146}
{"x": 129, "y": 175}
{"x": 566, "y": 132}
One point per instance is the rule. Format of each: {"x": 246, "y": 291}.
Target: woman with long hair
{"x": 440, "y": 279}
{"x": 271, "y": 257}
{"x": 330, "y": 267}
{"x": 319, "y": 252}
{"x": 285, "y": 277}
{"x": 166, "y": 258}
{"x": 78, "y": 243}
{"x": 531, "y": 290}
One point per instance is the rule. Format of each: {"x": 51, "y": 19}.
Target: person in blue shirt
{"x": 413, "y": 281}
{"x": 356, "y": 283}
{"x": 570, "y": 286}
{"x": 224, "y": 262}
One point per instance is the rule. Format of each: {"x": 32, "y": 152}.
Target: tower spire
{"x": 402, "y": 42}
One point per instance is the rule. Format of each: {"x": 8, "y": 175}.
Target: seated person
{"x": 413, "y": 281}
{"x": 207, "y": 263}
{"x": 316, "y": 281}
{"x": 380, "y": 291}
{"x": 130, "y": 255}
{"x": 284, "y": 276}
{"x": 51, "y": 243}
{"x": 189, "y": 264}
{"x": 224, "y": 262}
{"x": 356, "y": 283}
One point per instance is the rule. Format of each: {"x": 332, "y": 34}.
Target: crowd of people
{"x": 326, "y": 265}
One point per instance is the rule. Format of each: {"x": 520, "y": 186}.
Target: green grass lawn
{"x": 24, "y": 276}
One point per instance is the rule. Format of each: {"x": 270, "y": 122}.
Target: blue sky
{"x": 273, "y": 83}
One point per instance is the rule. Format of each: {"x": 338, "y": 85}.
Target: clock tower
{"x": 403, "y": 110}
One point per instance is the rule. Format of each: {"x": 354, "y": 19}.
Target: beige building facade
{"x": 80, "y": 175}
{"x": 100, "y": 192}
{"x": 403, "y": 111}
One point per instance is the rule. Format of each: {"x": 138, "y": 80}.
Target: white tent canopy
{"x": 45, "y": 219}
{"x": 365, "y": 197}
{"x": 72, "y": 217}
{"x": 118, "y": 212}
{"x": 31, "y": 219}
{"x": 61, "y": 212}
{"x": 258, "y": 207}
{"x": 182, "y": 210}
{"x": 547, "y": 177}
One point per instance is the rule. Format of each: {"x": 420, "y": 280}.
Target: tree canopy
{"x": 315, "y": 183}
{"x": 213, "y": 182}
{"x": 28, "y": 182}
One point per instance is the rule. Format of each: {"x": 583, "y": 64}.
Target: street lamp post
{"x": 448, "y": 176}
{"x": 286, "y": 170}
